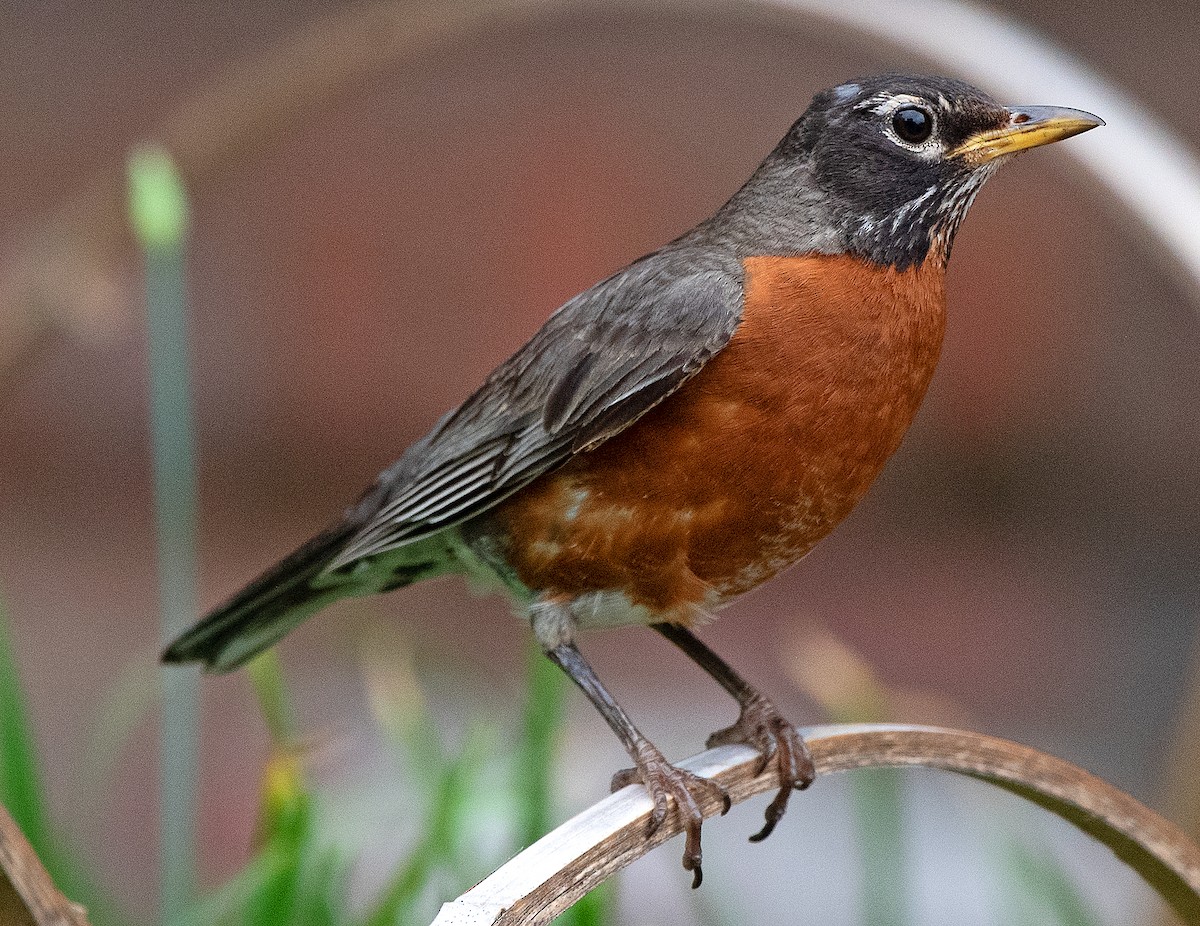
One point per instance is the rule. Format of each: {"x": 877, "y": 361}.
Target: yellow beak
{"x": 1028, "y": 127}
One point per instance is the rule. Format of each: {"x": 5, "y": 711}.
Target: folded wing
{"x": 600, "y": 363}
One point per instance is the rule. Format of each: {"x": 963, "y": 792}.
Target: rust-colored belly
{"x": 754, "y": 460}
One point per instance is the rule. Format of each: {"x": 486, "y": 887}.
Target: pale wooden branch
{"x": 549, "y": 876}
{"x": 27, "y": 895}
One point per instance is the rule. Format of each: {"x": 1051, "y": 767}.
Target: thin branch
{"x": 549, "y": 876}
{"x": 27, "y": 895}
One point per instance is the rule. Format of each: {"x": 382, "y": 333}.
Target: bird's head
{"x": 898, "y": 159}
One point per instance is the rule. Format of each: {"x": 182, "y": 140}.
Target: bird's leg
{"x": 663, "y": 780}
{"x": 759, "y": 725}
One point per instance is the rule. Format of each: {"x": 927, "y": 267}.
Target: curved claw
{"x": 774, "y": 813}
{"x": 665, "y": 781}
{"x": 761, "y": 726}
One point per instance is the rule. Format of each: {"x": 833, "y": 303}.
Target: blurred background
{"x": 358, "y": 261}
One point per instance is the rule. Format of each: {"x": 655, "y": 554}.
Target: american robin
{"x": 692, "y": 425}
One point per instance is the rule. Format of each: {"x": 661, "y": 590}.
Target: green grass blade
{"x": 266, "y": 675}
{"x": 158, "y": 215}
{"x": 877, "y": 796}
{"x": 21, "y": 789}
{"x": 877, "y": 802}
{"x": 1043, "y": 892}
{"x": 295, "y": 877}
{"x": 226, "y": 905}
{"x": 285, "y": 821}
{"x": 547, "y": 689}
{"x": 20, "y": 779}
{"x": 123, "y": 705}
{"x": 445, "y": 850}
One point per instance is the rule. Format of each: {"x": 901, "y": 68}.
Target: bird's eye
{"x": 912, "y": 124}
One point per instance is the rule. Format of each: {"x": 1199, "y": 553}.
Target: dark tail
{"x": 265, "y": 610}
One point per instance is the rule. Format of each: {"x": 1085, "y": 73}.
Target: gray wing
{"x": 598, "y": 364}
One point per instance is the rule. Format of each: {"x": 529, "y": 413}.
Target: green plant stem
{"x": 158, "y": 213}
{"x": 545, "y": 710}
{"x": 20, "y": 779}
{"x": 878, "y": 799}
{"x": 266, "y": 675}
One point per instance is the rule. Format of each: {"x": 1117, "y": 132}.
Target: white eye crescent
{"x": 911, "y": 123}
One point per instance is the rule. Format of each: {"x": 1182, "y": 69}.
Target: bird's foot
{"x": 761, "y": 726}
{"x": 691, "y": 794}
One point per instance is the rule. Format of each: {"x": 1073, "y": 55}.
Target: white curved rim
{"x": 1141, "y": 161}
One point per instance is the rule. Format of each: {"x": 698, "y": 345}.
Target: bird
{"x": 690, "y": 426}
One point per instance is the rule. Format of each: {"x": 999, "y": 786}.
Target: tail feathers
{"x": 266, "y": 610}
{"x": 279, "y": 600}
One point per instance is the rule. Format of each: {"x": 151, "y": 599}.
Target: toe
{"x": 724, "y": 737}
{"x": 692, "y": 855}
{"x": 774, "y": 813}
{"x": 624, "y": 778}
{"x": 767, "y": 753}
{"x": 778, "y": 745}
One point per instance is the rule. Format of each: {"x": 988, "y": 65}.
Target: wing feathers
{"x": 565, "y": 395}
{"x": 601, "y": 362}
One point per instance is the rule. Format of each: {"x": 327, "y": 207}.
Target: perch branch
{"x": 27, "y": 895}
{"x": 549, "y": 876}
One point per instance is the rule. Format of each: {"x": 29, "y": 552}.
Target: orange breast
{"x": 755, "y": 459}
